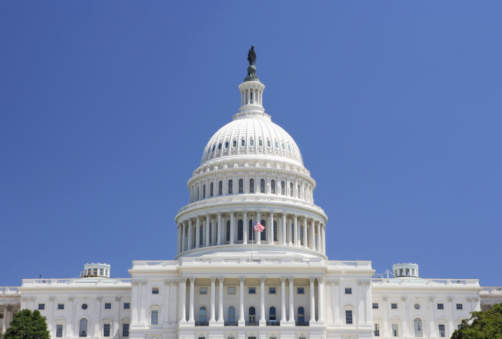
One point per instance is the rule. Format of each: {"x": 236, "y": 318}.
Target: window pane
{"x": 155, "y": 317}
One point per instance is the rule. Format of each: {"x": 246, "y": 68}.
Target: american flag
{"x": 258, "y": 227}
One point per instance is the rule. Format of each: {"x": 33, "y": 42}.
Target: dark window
{"x": 393, "y": 306}
{"x": 300, "y": 290}
{"x": 125, "y": 330}
{"x": 230, "y": 187}
{"x": 252, "y": 314}
{"x": 243, "y": 142}
{"x": 108, "y": 306}
{"x": 211, "y": 189}
{"x": 375, "y": 306}
{"x": 283, "y": 188}
{"x": 348, "y": 317}
{"x": 252, "y": 290}
{"x": 240, "y": 230}
{"x": 260, "y": 142}
{"x": 231, "y": 314}
{"x": 460, "y": 307}
{"x": 106, "y": 330}
{"x": 271, "y": 290}
{"x": 262, "y": 186}
{"x": 291, "y": 189}
{"x": 234, "y": 143}
{"x": 59, "y": 331}
{"x": 127, "y": 306}
{"x": 263, "y": 235}
{"x": 301, "y": 314}
{"x": 204, "y": 192}
{"x": 250, "y": 230}
{"x": 348, "y": 290}
{"x": 272, "y": 316}
{"x": 82, "y": 331}
{"x": 275, "y": 230}
{"x": 202, "y": 315}
{"x": 155, "y": 290}
{"x": 251, "y": 185}
{"x": 60, "y": 306}
{"x": 272, "y": 186}
{"x": 228, "y": 231}
{"x": 440, "y": 306}
{"x": 220, "y": 188}
{"x": 41, "y": 306}
{"x": 241, "y": 186}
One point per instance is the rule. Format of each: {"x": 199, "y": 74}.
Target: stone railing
{"x": 491, "y": 290}
{"x": 420, "y": 281}
{"x": 82, "y": 281}
{"x": 8, "y": 290}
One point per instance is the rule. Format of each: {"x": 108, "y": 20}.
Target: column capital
{"x": 364, "y": 282}
{"x": 242, "y": 278}
{"x": 99, "y": 297}
{"x": 385, "y": 298}
{"x": 221, "y": 279}
{"x": 118, "y": 298}
{"x": 262, "y": 279}
{"x": 431, "y": 298}
{"x": 291, "y": 278}
{"x": 312, "y": 279}
{"x": 71, "y": 298}
{"x": 449, "y": 298}
{"x": 183, "y": 280}
{"x": 52, "y": 298}
{"x": 192, "y": 279}
{"x": 213, "y": 279}
{"x": 335, "y": 282}
{"x": 283, "y": 279}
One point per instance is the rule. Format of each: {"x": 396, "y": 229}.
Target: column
{"x": 190, "y": 234}
{"x": 432, "y": 317}
{"x": 180, "y": 230}
{"x": 317, "y": 244}
{"x": 242, "y": 321}
{"x": 271, "y": 228}
{"x": 245, "y": 225}
{"x": 212, "y": 319}
{"x": 208, "y": 240}
{"x": 291, "y": 319}
{"x": 69, "y": 326}
{"x": 220, "y": 303}
{"x": 97, "y": 324}
{"x": 289, "y": 232}
{"x": 190, "y": 312}
{"x": 283, "y": 227}
{"x": 323, "y": 236}
{"x": 305, "y": 232}
{"x": 312, "y": 235}
{"x": 312, "y": 301}
{"x": 142, "y": 302}
{"x": 450, "y": 321}
{"x": 4, "y": 320}
{"x": 257, "y": 235}
{"x": 283, "y": 300}
{"x": 295, "y": 227}
{"x": 263, "y": 322}
{"x": 167, "y": 292}
{"x": 220, "y": 228}
{"x": 184, "y": 244}
{"x": 337, "y": 291}
{"x": 232, "y": 228}
{"x": 329, "y": 299}
{"x": 320, "y": 299}
{"x": 183, "y": 287}
{"x": 197, "y": 233}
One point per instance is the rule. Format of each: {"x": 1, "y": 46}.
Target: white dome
{"x": 252, "y": 133}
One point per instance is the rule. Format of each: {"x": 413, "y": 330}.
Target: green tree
{"x": 482, "y": 325}
{"x": 27, "y": 325}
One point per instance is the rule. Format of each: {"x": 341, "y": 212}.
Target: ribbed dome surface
{"x": 252, "y": 134}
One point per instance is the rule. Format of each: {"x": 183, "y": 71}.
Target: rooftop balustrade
{"x": 89, "y": 281}
{"x": 9, "y": 290}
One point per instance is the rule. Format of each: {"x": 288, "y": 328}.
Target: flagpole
{"x": 252, "y": 235}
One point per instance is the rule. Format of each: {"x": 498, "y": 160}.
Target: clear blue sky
{"x": 106, "y": 106}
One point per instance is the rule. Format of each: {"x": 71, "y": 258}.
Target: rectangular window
{"x": 106, "y": 330}
{"x": 440, "y": 306}
{"x": 231, "y": 290}
{"x": 375, "y": 306}
{"x": 348, "y": 290}
{"x": 442, "y": 331}
{"x": 59, "y": 331}
{"x": 348, "y": 317}
{"x": 125, "y": 330}
{"x": 60, "y": 306}
{"x": 252, "y": 290}
{"x": 376, "y": 332}
{"x": 395, "y": 330}
{"x": 127, "y": 306}
{"x": 300, "y": 290}
{"x": 271, "y": 290}
{"x": 155, "y": 290}
{"x": 393, "y": 306}
{"x": 203, "y": 290}
{"x": 41, "y": 306}
{"x": 108, "y": 306}
{"x": 460, "y": 307}
{"x": 155, "y": 317}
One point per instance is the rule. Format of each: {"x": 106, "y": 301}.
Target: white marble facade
{"x": 229, "y": 281}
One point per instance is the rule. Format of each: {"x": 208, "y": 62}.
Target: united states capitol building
{"x": 229, "y": 281}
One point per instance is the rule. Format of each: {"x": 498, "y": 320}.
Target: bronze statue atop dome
{"x": 251, "y": 69}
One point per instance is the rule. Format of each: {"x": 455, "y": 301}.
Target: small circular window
{"x": 417, "y": 306}
{"x": 84, "y": 306}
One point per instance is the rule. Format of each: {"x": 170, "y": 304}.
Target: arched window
{"x": 220, "y": 187}
{"x": 240, "y": 230}
{"x": 268, "y": 143}
{"x": 82, "y": 330}
{"x": 298, "y": 191}
{"x": 272, "y": 314}
{"x": 260, "y": 142}
{"x": 301, "y": 315}
{"x": 231, "y": 314}
{"x": 230, "y": 186}
{"x": 201, "y": 236}
{"x": 252, "y": 314}
{"x": 202, "y": 315}
{"x": 234, "y": 143}
{"x": 291, "y": 189}
{"x": 241, "y": 186}
{"x": 418, "y": 328}
{"x": 283, "y": 188}
{"x": 211, "y": 189}
{"x": 262, "y": 186}
{"x": 251, "y": 142}
{"x": 204, "y": 191}
{"x": 198, "y": 191}
{"x": 293, "y": 232}
{"x": 250, "y": 230}
{"x": 219, "y": 146}
{"x": 272, "y": 186}
{"x": 251, "y": 185}
{"x": 226, "y": 144}
{"x": 275, "y": 230}
{"x": 243, "y": 142}
{"x": 263, "y": 235}
{"x": 228, "y": 231}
